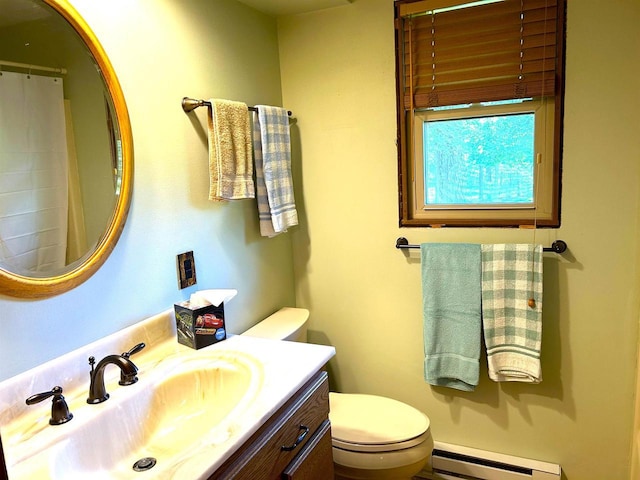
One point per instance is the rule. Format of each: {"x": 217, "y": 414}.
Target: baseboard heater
{"x": 454, "y": 462}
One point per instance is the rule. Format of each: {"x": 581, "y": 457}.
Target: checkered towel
{"x": 264, "y": 214}
{"x": 275, "y": 152}
{"x": 511, "y": 276}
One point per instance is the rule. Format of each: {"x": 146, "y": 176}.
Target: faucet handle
{"x": 134, "y": 350}
{"x": 59, "y": 409}
{"x": 92, "y": 362}
{"x": 130, "y": 379}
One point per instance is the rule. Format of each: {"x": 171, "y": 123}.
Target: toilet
{"x": 373, "y": 437}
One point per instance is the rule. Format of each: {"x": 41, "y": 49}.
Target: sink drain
{"x": 144, "y": 464}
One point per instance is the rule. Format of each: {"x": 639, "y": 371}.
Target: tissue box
{"x": 199, "y": 327}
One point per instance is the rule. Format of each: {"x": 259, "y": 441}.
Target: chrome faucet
{"x": 128, "y": 373}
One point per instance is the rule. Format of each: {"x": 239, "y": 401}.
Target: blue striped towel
{"x": 274, "y": 156}
{"x": 451, "y": 275}
{"x": 511, "y": 276}
{"x": 264, "y": 214}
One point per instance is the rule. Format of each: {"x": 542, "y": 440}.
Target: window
{"x": 480, "y": 96}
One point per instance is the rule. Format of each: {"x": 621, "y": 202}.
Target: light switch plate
{"x": 186, "y": 270}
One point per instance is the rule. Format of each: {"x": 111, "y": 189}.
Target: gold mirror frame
{"x": 34, "y": 287}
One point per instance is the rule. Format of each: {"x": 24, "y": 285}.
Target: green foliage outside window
{"x": 482, "y": 160}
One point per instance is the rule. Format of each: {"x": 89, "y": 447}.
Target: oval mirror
{"x": 66, "y": 150}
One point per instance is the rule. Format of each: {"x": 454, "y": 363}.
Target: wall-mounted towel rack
{"x": 559, "y": 246}
{"x": 189, "y": 104}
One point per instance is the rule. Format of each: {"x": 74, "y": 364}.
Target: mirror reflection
{"x": 60, "y": 155}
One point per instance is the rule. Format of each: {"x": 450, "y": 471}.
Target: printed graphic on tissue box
{"x": 200, "y": 320}
{"x": 199, "y": 327}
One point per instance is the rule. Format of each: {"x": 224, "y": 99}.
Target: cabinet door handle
{"x": 305, "y": 431}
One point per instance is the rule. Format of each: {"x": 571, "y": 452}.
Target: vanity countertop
{"x": 285, "y": 367}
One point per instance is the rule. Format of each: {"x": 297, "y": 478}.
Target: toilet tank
{"x": 288, "y": 323}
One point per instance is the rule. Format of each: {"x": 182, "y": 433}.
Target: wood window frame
{"x": 547, "y": 211}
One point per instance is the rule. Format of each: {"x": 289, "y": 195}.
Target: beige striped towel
{"x": 230, "y": 151}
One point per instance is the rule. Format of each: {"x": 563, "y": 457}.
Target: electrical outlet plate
{"x": 186, "y": 270}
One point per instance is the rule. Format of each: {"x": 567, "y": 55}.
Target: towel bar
{"x": 559, "y": 246}
{"x": 190, "y": 104}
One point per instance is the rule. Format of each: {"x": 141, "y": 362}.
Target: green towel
{"x": 511, "y": 276}
{"x": 451, "y": 294}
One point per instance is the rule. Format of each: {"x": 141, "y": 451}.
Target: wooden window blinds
{"x": 494, "y": 51}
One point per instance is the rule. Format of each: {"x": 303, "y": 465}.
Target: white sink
{"x": 193, "y": 403}
{"x": 189, "y": 411}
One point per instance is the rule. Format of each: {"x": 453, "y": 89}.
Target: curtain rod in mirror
{"x": 28, "y": 66}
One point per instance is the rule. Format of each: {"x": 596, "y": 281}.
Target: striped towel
{"x": 275, "y": 149}
{"x": 511, "y": 276}
{"x": 264, "y": 214}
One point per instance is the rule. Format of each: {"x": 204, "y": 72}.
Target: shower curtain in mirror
{"x": 33, "y": 173}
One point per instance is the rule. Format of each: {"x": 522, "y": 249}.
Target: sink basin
{"x": 186, "y": 404}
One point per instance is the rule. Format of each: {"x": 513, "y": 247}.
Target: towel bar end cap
{"x": 401, "y": 242}
{"x": 559, "y": 246}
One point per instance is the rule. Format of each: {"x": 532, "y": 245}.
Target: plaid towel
{"x": 264, "y": 214}
{"x": 276, "y": 163}
{"x": 511, "y": 276}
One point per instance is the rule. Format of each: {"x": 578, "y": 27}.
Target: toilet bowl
{"x": 377, "y": 437}
{"x": 373, "y": 437}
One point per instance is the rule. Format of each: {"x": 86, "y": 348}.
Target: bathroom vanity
{"x": 294, "y": 443}
{"x": 242, "y": 408}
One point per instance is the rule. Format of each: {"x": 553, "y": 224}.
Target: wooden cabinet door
{"x": 315, "y": 460}
{"x": 268, "y": 453}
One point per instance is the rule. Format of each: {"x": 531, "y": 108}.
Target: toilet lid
{"x": 359, "y": 420}
{"x": 280, "y": 325}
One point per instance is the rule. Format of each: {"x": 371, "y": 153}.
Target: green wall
{"x": 163, "y": 50}
{"x": 338, "y": 75}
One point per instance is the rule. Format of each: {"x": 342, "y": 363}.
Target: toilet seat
{"x": 382, "y": 447}
{"x": 371, "y": 423}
